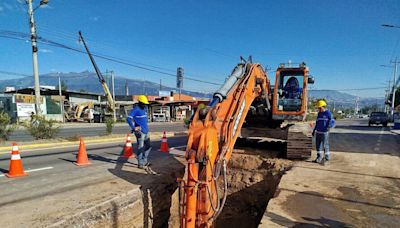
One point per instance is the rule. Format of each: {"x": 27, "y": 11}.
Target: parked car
{"x": 378, "y": 118}
{"x": 159, "y": 117}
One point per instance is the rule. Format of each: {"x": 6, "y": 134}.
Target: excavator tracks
{"x": 299, "y": 143}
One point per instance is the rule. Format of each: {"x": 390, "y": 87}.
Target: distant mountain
{"x": 89, "y": 82}
{"x": 343, "y": 100}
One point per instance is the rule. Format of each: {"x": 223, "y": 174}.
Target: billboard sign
{"x": 179, "y": 78}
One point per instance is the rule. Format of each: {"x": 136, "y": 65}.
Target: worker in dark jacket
{"x": 137, "y": 120}
{"x": 321, "y": 132}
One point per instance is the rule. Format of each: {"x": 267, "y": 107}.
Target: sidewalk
{"x": 355, "y": 190}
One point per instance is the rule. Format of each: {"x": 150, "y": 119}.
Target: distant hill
{"x": 88, "y": 81}
{"x": 343, "y": 100}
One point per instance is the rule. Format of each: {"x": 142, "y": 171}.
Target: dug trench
{"x": 254, "y": 172}
{"x": 253, "y": 176}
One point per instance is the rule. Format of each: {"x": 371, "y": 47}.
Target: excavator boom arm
{"x": 212, "y": 136}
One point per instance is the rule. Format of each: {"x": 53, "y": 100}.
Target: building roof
{"x": 174, "y": 98}
{"x": 47, "y": 91}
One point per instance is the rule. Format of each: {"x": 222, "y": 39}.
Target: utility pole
{"x": 126, "y": 88}
{"x": 34, "y": 55}
{"x": 395, "y": 62}
{"x": 61, "y": 99}
{"x": 387, "y": 97}
{"x": 160, "y": 84}
{"x": 113, "y": 94}
{"x": 356, "y": 107}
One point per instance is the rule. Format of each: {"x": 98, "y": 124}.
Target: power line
{"x": 15, "y": 74}
{"x": 351, "y": 89}
{"x": 22, "y": 36}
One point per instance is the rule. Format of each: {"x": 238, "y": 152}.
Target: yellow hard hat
{"x": 201, "y": 106}
{"x": 321, "y": 103}
{"x": 143, "y": 99}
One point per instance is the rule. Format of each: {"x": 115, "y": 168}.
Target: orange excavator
{"x": 246, "y": 104}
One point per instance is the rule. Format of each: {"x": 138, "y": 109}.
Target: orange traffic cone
{"x": 82, "y": 158}
{"x": 164, "y": 144}
{"x": 128, "y": 149}
{"x": 16, "y": 168}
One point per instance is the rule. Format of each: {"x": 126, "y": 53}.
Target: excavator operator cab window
{"x": 290, "y": 91}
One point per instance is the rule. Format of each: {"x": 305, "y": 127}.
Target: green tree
{"x": 6, "y": 128}
{"x": 109, "y": 125}
{"x": 41, "y": 128}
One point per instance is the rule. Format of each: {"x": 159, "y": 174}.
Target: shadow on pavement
{"x": 311, "y": 222}
{"x": 245, "y": 208}
{"x": 157, "y": 190}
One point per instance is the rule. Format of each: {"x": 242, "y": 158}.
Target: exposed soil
{"x": 253, "y": 176}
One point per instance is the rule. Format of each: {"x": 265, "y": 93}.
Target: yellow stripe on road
{"x": 61, "y": 145}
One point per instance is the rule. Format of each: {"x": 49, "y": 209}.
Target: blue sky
{"x": 342, "y": 41}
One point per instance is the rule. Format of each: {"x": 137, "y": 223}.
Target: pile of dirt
{"x": 252, "y": 180}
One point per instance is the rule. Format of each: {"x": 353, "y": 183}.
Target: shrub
{"x": 41, "y": 128}
{"x": 109, "y": 125}
{"x": 6, "y": 128}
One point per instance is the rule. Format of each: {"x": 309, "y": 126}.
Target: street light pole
{"x": 34, "y": 58}
{"x": 113, "y": 95}
{"x": 394, "y": 86}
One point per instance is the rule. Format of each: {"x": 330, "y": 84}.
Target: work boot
{"x": 317, "y": 160}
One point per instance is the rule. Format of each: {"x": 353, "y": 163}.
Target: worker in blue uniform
{"x": 137, "y": 120}
{"x": 323, "y": 124}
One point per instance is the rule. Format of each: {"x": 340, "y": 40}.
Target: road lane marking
{"x": 174, "y": 151}
{"x": 33, "y": 170}
{"x": 178, "y": 147}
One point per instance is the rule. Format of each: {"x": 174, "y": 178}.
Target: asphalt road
{"x": 85, "y": 129}
{"x": 56, "y": 187}
{"x": 356, "y": 136}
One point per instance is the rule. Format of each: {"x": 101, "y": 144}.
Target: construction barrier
{"x": 82, "y": 158}
{"x": 164, "y": 144}
{"x": 16, "y": 167}
{"x": 128, "y": 148}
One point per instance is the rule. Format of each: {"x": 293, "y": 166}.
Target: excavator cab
{"x": 290, "y": 92}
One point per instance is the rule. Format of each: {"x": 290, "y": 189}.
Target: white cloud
{"x": 47, "y": 7}
{"x": 43, "y": 50}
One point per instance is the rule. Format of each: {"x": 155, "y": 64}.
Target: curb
{"x": 88, "y": 142}
{"x": 397, "y": 132}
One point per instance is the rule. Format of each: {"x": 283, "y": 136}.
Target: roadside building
{"x": 175, "y": 107}
{"x": 21, "y": 103}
